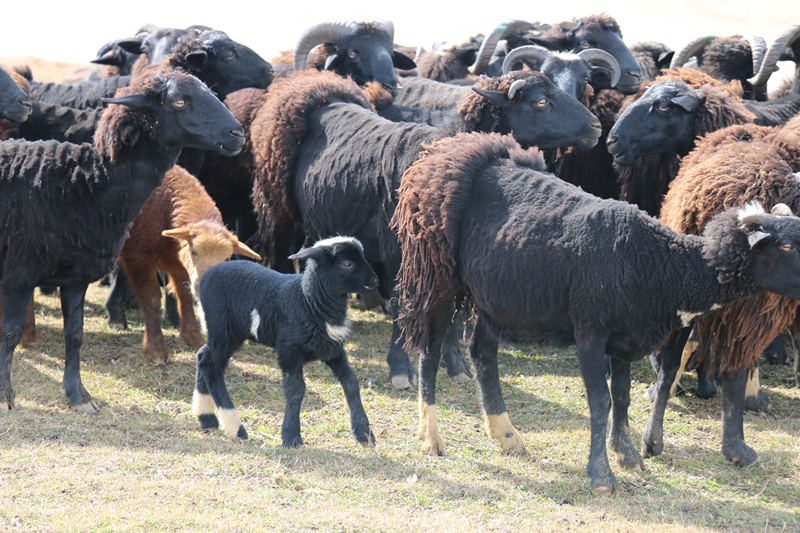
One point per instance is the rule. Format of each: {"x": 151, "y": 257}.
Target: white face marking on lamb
{"x": 338, "y": 333}
{"x": 330, "y": 241}
{"x": 687, "y": 317}
{"x": 255, "y": 321}
{"x": 750, "y": 209}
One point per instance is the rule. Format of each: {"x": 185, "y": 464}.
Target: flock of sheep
{"x": 545, "y": 179}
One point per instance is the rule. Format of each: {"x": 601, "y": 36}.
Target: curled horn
{"x": 781, "y": 210}
{"x": 788, "y": 35}
{"x": 517, "y": 85}
{"x": 759, "y": 219}
{"x": 324, "y": 32}
{"x": 533, "y": 51}
{"x": 758, "y": 47}
{"x": 690, "y": 50}
{"x": 601, "y": 58}
{"x": 490, "y": 42}
{"x": 388, "y": 24}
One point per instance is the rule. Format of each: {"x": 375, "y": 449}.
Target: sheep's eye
{"x": 663, "y": 107}
{"x": 786, "y": 247}
{"x": 347, "y": 265}
{"x": 352, "y": 54}
{"x": 228, "y": 56}
{"x": 540, "y": 104}
{"x": 178, "y": 104}
{"x": 586, "y": 44}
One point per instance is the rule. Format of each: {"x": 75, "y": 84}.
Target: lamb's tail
{"x": 433, "y": 195}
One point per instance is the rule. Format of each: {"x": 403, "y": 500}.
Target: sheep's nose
{"x": 596, "y": 125}
{"x": 26, "y": 103}
{"x": 635, "y": 74}
{"x": 391, "y": 87}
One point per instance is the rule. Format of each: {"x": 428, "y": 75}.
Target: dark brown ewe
{"x": 179, "y": 232}
{"x": 67, "y": 208}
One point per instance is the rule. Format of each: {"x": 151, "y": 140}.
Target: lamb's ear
{"x": 135, "y": 100}
{"x": 402, "y": 61}
{"x": 181, "y": 234}
{"x": 497, "y": 98}
{"x": 308, "y": 253}
{"x": 243, "y": 249}
{"x": 686, "y": 101}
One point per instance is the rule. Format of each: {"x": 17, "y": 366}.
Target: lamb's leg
{"x": 432, "y": 443}
{"x": 203, "y": 405}
{"x": 358, "y": 417}
{"x": 733, "y": 447}
{"x": 72, "y": 300}
{"x": 483, "y": 351}
{"x": 211, "y": 364}
{"x": 653, "y": 436}
{"x": 115, "y": 302}
{"x": 592, "y": 363}
{"x": 619, "y": 440}
{"x": 148, "y": 293}
{"x": 189, "y": 328}
{"x": 15, "y": 300}
{"x": 294, "y": 390}
{"x": 451, "y": 353}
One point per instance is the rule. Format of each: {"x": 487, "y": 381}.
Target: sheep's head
{"x": 361, "y": 50}
{"x": 15, "y": 105}
{"x": 204, "y": 245}
{"x": 338, "y": 264}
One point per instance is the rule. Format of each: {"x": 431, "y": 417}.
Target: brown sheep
{"x": 179, "y": 232}
{"x": 731, "y": 167}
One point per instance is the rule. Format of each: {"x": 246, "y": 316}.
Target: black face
{"x": 777, "y": 266}
{"x": 192, "y": 117}
{"x": 227, "y": 66}
{"x": 611, "y": 41}
{"x": 342, "y": 266}
{"x": 660, "y": 121}
{"x": 541, "y": 114}
{"x": 369, "y": 56}
{"x": 569, "y": 76}
{"x": 14, "y": 103}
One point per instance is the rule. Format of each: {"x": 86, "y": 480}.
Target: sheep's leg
{"x": 203, "y": 405}
{"x": 15, "y": 300}
{"x": 733, "y": 447}
{"x": 72, "y": 300}
{"x": 401, "y": 371}
{"x": 211, "y": 366}
{"x": 483, "y": 351}
{"x": 358, "y": 417}
{"x": 754, "y": 398}
{"x": 619, "y": 441}
{"x": 294, "y": 390}
{"x": 148, "y": 294}
{"x": 592, "y": 363}
{"x": 451, "y": 353}
{"x": 706, "y": 385}
{"x": 115, "y": 302}
{"x": 653, "y": 436}
{"x": 30, "y": 337}
{"x": 432, "y": 443}
{"x": 189, "y": 328}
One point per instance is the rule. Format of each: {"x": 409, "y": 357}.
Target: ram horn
{"x": 388, "y": 24}
{"x": 758, "y": 47}
{"x": 517, "y": 85}
{"x": 324, "y": 32}
{"x": 691, "y": 49}
{"x": 601, "y": 58}
{"x": 532, "y": 51}
{"x": 788, "y": 35}
{"x": 490, "y": 42}
{"x": 781, "y": 210}
{"x": 758, "y": 219}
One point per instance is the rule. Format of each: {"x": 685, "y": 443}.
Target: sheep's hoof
{"x": 462, "y": 378}
{"x": 296, "y": 442}
{"x": 367, "y": 441}
{"x": 651, "y": 393}
{"x": 630, "y": 459}
{"x": 6, "y": 407}
{"x": 401, "y": 382}
{"x": 434, "y": 447}
{"x": 759, "y": 402}
{"x": 88, "y": 408}
{"x": 242, "y": 433}
{"x": 118, "y": 325}
{"x": 652, "y": 449}
{"x": 30, "y": 339}
{"x": 208, "y": 421}
{"x": 603, "y": 487}
{"x": 157, "y": 356}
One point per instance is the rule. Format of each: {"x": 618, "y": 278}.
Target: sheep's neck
{"x": 328, "y": 305}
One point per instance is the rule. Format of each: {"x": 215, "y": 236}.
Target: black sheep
{"x": 15, "y": 105}
{"x": 302, "y": 316}
{"x": 326, "y": 164}
{"x": 67, "y": 208}
{"x": 539, "y": 259}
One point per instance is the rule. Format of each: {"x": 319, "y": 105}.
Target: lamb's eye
{"x": 178, "y": 104}
{"x": 347, "y": 265}
{"x": 786, "y": 247}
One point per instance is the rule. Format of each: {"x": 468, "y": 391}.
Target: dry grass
{"x": 142, "y": 464}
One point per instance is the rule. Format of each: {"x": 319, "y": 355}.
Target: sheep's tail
{"x": 433, "y": 196}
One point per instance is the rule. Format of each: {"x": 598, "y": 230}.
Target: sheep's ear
{"x": 243, "y": 249}
{"x": 402, "y": 61}
{"x": 308, "y": 253}
{"x": 686, "y": 101}
{"x": 756, "y": 237}
{"x": 664, "y": 59}
{"x": 136, "y": 100}
{"x": 131, "y": 46}
{"x": 497, "y": 98}
{"x": 331, "y": 59}
{"x": 180, "y": 234}
{"x": 197, "y": 58}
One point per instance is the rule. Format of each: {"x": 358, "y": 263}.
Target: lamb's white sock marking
{"x": 230, "y": 422}
{"x": 202, "y": 404}
{"x": 338, "y": 333}
{"x": 254, "y": 323}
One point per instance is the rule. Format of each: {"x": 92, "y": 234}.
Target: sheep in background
{"x": 67, "y": 208}
{"x": 15, "y": 104}
{"x": 302, "y": 316}
{"x": 179, "y": 232}
{"x": 539, "y": 259}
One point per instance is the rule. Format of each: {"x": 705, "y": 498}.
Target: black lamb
{"x": 66, "y": 208}
{"x": 539, "y": 259}
{"x": 302, "y": 316}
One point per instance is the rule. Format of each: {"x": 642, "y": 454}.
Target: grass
{"x": 143, "y": 464}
